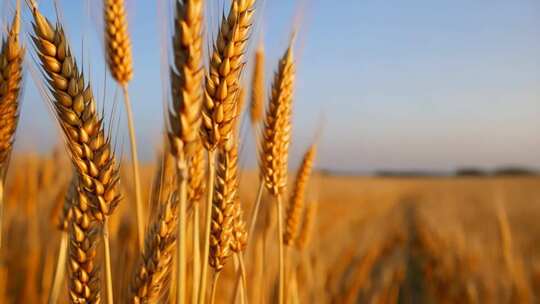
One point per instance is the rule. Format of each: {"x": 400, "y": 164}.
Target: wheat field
{"x": 84, "y": 223}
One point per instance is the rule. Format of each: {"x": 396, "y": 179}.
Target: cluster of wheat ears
{"x": 196, "y": 221}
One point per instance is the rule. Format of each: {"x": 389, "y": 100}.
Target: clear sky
{"x": 401, "y": 84}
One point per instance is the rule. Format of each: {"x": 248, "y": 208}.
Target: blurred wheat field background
{"x": 93, "y": 221}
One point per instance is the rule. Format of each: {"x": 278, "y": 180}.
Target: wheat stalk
{"x": 274, "y": 152}
{"x": 185, "y": 113}
{"x": 11, "y": 62}
{"x": 87, "y": 143}
{"x": 66, "y": 216}
{"x": 220, "y": 96}
{"x": 119, "y": 61}
{"x": 296, "y": 201}
{"x": 151, "y": 276}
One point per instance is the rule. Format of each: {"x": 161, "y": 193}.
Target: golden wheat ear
{"x": 151, "y": 277}
{"x": 11, "y": 71}
{"x": 296, "y": 202}
{"x": 118, "y": 43}
{"x": 186, "y": 78}
{"x": 223, "y": 79}
{"x": 274, "y": 154}
{"x": 75, "y": 107}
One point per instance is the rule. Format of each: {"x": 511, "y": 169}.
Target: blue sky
{"x": 401, "y": 84}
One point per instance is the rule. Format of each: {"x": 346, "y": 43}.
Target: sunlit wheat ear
{"x": 186, "y": 77}
{"x": 84, "y": 276}
{"x": 274, "y": 154}
{"x": 296, "y": 202}
{"x": 118, "y": 44}
{"x": 223, "y": 205}
{"x": 11, "y": 62}
{"x": 72, "y": 98}
{"x": 152, "y": 273}
{"x": 308, "y": 226}
{"x": 222, "y": 81}
{"x": 196, "y": 174}
{"x": 256, "y": 107}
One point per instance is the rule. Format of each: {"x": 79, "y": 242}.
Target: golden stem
{"x": 281, "y": 253}
{"x": 255, "y": 210}
{"x": 196, "y": 254}
{"x": 108, "y": 269}
{"x": 214, "y": 287}
{"x": 135, "y": 168}
{"x": 208, "y": 221}
{"x": 60, "y": 270}
{"x": 182, "y": 264}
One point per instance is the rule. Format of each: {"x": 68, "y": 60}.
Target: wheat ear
{"x": 87, "y": 143}
{"x": 152, "y": 274}
{"x": 223, "y": 210}
{"x": 11, "y": 62}
{"x": 296, "y": 202}
{"x": 119, "y": 61}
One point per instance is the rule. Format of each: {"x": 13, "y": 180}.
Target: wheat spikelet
{"x": 256, "y": 107}
{"x": 308, "y": 225}
{"x": 240, "y": 235}
{"x": 186, "y": 77}
{"x": 277, "y": 125}
{"x": 11, "y": 61}
{"x": 73, "y": 100}
{"x": 223, "y": 206}
{"x": 222, "y": 83}
{"x": 84, "y": 283}
{"x": 151, "y": 276}
{"x": 66, "y": 213}
{"x": 294, "y": 212}
{"x": 118, "y": 44}
{"x": 196, "y": 174}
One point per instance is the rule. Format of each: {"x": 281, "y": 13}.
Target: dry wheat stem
{"x": 196, "y": 253}
{"x": 108, "y": 268}
{"x": 135, "y": 167}
{"x": 208, "y": 222}
{"x": 222, "y": 81}
{"x": 214, "y": 287}
{"x": 119, "y": 60}
{"x": 152, "y": 274}
{"x": 281, "y": 253}
{"x": 296, "y": 202}
{"x": 60, "y": 269}
{"x": 11, "y": 61}
{"x": 182, "y": 228}
{"x": 255, "y": 210}
{"x": 308, "y": 225}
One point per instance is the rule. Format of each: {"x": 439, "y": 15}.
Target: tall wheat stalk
{"x": 185, "y": 113}
{"x": 275, "y": 146}
{"x": 220, "y": 99}
{"x": 119, "y": 61}
{"x": 90, "y": 153}
{"x": 11, "y": 68}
